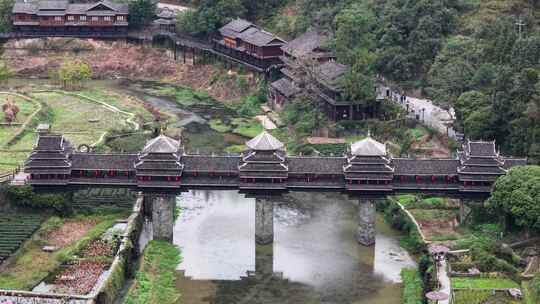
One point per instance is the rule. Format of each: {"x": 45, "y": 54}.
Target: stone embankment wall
{"x": 108, "y": 288}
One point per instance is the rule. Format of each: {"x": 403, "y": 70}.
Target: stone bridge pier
{"x": 161, "y": 208}
{"x": 264, "y": 220}
{"x": 365, "y": 233}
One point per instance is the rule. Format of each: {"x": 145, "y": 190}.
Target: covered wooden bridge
{"x": 367, "y": 171}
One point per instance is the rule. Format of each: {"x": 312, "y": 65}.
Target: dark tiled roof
{"x": 481, "y": 169}
{"x": 159, "y": 156}
{"x": 238, "y": 25}
{"x": 331, "y": 73}
{"x": 260, "y": 38}
{"x": 36, "y": 163}
{"x": 276, "y": 166}
{"x": 316, "y": 165}
{"x": 196, "y": 163}
{"x": 512, "y": 162}
{"x": 478, "y": 177}
{"x": 47, "y": 155}
{"x": 58, "y": 7}
{"x": 305, "y": 44}
{"x": 481, "y": 148}
{"x": 94, "y": 161}
{"x": 482, "y": 161}
{"x": 21, "y": 7}
{"x": 369, "y": 159}
{"x": 158, "y": 165}
{"x": 49, "y": 142}
{"x": 356, "y": 167}
{"x": 286, "y": 87}
{"x": 53, "y": 5}
{"x": 262, "y": 156}
{"x": 425, "y": 166}
{"x": 77, "y": 8}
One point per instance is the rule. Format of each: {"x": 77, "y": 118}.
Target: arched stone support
{"x": 366, "y": 223}
{"x": 163, "y": 216}
{"x": 264, "y": 221}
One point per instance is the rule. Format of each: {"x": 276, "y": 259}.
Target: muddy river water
{"x": 314, "y": 258}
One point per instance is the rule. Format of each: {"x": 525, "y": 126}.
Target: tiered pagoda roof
{"x": 161, "y": 157}
{"x": 367, "y": 161}
{"x": 265, "y": 159}
{"x": 50, "y": 156}
{"x": 480, "y": 162}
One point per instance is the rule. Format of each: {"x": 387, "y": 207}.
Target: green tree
{"x": 72, "y": 74}
{"x": 517, "y": 196}
{"x": 469, "y": 102}
{"x": 479, "y": 124}
{"x": 6, "y": 7}
{"x": 210, "y": 15}
{"x": 141, "y": 12}
{"x": 354, "y": 35}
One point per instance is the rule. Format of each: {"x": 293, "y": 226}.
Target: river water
{"x": 314, "y": 258}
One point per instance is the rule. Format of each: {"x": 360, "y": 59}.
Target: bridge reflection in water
{"x": 314, "y": 258}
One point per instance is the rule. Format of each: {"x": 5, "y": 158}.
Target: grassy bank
{"x": 483, "y": 283}
{"x": 32, "y": 265}
{"x": 155, "y": 280}
{"x": 412, "y": 286}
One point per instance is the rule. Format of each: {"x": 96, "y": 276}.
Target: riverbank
{"x": 37, "y": 58}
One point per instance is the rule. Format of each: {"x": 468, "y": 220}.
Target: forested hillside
{"x": 482, "y": 57}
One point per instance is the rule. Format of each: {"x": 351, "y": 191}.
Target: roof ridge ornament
{"x": 265, "y": 142}
{"x": 368, "y": 147}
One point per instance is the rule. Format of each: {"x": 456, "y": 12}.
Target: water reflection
{"x": 314, "y": 258}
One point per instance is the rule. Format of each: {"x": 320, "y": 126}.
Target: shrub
{"x": 251, "y": 106}
{"x": 24, "y": 196}
{"x": 535, "y": 285}
{"x": 487, "y": 262}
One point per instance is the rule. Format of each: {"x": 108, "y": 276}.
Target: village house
{"x": 244, "y": 41}
{"x": 311, "y": 69}
{"x": 62, "y": 18}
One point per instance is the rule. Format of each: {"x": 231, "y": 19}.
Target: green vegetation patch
{"x": 235, "y": 149}
{"x": 412, "y": 286}
{"x": 531, "y": 290}
{"x": 219, "y": 126}
{"x": 81, "y": 121}
{"x": 431, "y": 214}
{"x": 32, "y": 265}
{"x": 482, "y": 297}
{"x": 247, "y": 127}
{"x": 483, "y": 283}
{"x": 155, "y": 280}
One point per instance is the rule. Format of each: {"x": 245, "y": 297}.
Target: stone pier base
{"x": 163, "y": 216}
{"x": 264, "y": 221}
{"x": 366, "y": 223}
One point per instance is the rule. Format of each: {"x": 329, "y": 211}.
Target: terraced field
{"x": 14, "y": 230}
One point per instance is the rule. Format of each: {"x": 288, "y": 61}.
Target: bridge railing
{"x": 8, "y": 176}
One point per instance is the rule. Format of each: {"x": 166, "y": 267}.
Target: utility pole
{"x": 520, "y": 24}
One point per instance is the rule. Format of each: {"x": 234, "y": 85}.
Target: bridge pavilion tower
{"x": 368, "y": 175}
{"x": 158, "y": 170}
{"x": 263, "y": 173}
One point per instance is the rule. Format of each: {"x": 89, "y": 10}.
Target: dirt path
{"x": 28, "y": 119}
